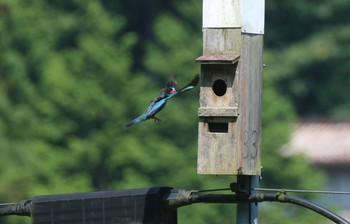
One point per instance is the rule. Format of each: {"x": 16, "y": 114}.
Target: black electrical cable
{"x": 176, "y": 200}
{"x": 304, "y": 203}
{"x": 22, "y": 208}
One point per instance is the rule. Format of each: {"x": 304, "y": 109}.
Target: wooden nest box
{"x": 229, "y": 129}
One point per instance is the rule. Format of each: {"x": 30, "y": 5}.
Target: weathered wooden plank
{"x": 218, "y": 112}
{"x": 250, "y": 89}
{"x": 218, "y": 59}
{"x": 221, "y": 41}
{"x": 217, "y": 155}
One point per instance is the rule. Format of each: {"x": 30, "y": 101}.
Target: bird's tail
{"x": 135, "y": 121}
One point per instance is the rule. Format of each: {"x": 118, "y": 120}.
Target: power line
{"x": 280, "y": 190}
{"x": 301, "y": 191}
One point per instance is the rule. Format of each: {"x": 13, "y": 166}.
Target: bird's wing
{"x": 158, "y": 106}
{"x": 191, "y": 84}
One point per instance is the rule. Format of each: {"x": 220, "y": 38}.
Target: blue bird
{"x": 159, "y": 102}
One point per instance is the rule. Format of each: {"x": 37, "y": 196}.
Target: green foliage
{"x": 60, "y": 72}
{"x": 307, "y": 41}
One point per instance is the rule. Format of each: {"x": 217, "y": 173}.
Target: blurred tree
{"x": 308, "y": 42}
{"x": 65, "y": 81}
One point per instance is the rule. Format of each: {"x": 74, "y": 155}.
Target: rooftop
{"x": 323, "y": 142}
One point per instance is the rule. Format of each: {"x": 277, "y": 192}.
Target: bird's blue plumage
{"x": 159, "y": 102}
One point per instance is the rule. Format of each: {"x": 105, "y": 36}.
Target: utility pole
{"x": 229, "y": 129}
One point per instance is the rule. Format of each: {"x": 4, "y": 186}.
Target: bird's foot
{"x": 157, "y": 120}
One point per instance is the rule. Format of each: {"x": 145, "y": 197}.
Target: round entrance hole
{"x": 219, "y": 87}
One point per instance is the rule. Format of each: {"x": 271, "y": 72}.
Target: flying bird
{"x": 159, "y": 102}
